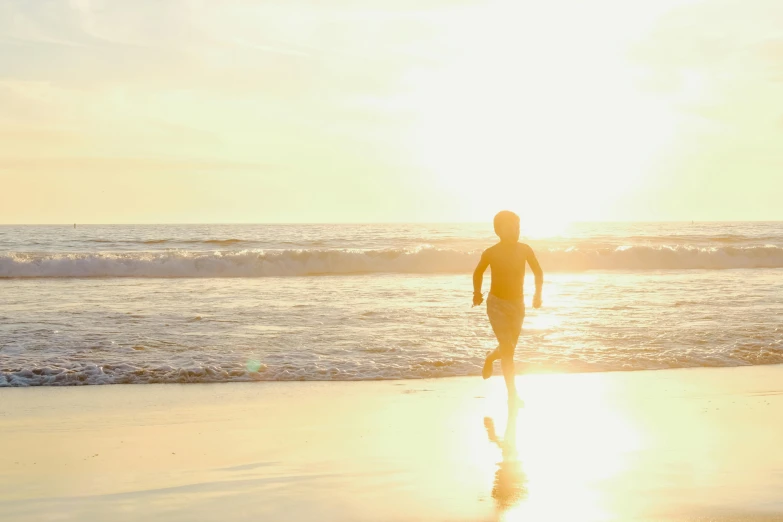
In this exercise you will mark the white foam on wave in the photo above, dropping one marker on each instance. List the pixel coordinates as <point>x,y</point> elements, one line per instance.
<point>664,258</point>
<point>234,264</point>
<point>251,263</point>
<point>94,373</point>
<point>82,374</point>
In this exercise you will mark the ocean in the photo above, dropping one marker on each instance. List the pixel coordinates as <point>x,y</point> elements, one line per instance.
<point>216,303</point>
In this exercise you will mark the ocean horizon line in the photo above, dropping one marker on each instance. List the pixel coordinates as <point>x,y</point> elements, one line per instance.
<point>378,223</point>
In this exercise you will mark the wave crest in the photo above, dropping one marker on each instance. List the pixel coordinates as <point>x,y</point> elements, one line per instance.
<point>250,263</point>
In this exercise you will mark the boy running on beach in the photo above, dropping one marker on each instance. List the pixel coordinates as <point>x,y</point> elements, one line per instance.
<point>505,304</point>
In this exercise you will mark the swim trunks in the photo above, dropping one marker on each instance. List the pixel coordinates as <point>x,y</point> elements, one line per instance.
<point>506,317</point>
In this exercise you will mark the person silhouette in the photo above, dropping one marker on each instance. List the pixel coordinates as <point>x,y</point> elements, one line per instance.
<point>505,303</point>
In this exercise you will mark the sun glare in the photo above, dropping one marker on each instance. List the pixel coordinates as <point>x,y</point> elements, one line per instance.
<point>541,465</point>
<point>523,121</point>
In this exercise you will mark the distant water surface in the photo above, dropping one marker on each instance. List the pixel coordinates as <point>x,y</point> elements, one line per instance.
<point>209,303</point>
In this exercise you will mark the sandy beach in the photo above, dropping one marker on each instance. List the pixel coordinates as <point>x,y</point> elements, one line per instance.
<point>700,444</point>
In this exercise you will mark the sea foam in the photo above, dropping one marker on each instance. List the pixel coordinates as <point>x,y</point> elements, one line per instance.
<point>259,263</point>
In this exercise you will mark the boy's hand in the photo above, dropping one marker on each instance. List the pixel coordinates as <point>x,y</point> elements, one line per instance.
<point>537,301</point>
<point>477,299</point>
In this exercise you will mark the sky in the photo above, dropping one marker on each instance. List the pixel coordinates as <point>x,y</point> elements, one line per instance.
<point>238,111</point>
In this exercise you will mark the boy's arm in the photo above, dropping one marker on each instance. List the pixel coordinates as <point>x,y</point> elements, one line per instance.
<point>536,268</point>
<point>478,278</point>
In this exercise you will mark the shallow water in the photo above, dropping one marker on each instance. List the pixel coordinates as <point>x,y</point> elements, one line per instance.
<point>376,325</point>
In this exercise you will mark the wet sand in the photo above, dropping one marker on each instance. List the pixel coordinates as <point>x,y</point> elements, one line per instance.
<point>675,445</point>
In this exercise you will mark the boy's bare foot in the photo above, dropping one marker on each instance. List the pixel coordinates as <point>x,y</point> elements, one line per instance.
<point>488,362</point>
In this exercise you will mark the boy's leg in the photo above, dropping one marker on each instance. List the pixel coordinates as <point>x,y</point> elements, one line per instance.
<point>492,356</point>
<point>506,319</point>
<point>509,371</point>
<point>509,368</point>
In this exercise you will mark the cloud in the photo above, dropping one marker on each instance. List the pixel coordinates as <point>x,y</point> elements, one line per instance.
<point>155,78</point>
<point>721,60</point>
<point>721,36</point>
<point>236,46</point>
<point>120,165</point>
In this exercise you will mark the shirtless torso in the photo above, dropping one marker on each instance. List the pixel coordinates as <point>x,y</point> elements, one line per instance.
<point>507,262</point>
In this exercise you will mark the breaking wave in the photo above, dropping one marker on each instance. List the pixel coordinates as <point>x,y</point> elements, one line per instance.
<point>225,242</point>
<point>77,373</point>
<point>253,263</point>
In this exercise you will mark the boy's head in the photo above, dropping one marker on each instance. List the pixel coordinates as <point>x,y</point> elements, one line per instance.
<point>507,226</point>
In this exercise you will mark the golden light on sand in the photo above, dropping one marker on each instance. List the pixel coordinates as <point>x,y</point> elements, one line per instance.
<point>541,473</point>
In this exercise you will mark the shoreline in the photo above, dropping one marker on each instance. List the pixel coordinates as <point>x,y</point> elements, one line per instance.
<point>496,373</point>
<point>629,445</point>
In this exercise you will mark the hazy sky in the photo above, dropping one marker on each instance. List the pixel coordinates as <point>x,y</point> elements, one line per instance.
<point>390,110</point>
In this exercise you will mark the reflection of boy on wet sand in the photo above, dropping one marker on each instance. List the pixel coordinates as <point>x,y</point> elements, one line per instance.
<point>505,304</point>
<point>509,487</point>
